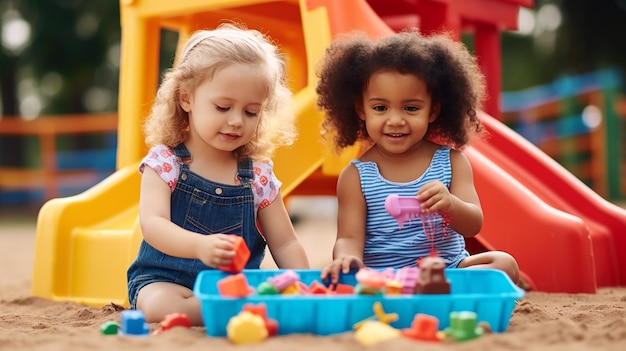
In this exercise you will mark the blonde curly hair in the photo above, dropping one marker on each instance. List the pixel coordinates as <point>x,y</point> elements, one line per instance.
<point>206,52</point>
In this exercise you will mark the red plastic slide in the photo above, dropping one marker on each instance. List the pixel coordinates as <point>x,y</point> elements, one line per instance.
<point>565,236</point>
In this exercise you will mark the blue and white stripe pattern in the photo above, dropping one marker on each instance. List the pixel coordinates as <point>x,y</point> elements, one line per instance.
<point>388,246</point>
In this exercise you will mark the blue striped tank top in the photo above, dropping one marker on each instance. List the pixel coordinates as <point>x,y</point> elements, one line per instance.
<point>388,246</point>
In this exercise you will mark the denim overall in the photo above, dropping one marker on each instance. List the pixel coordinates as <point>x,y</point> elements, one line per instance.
<point>204,207</point>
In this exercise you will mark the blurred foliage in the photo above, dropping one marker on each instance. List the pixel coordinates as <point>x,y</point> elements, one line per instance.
<point>589,38</point>
<point>70,43</point>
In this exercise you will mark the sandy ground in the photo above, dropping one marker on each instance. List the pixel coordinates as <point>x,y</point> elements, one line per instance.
<point>541,321</point>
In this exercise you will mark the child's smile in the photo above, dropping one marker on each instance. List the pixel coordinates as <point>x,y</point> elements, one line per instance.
<point>396,110</point>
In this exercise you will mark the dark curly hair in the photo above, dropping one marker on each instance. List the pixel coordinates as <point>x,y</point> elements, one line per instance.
<point>450,72</point>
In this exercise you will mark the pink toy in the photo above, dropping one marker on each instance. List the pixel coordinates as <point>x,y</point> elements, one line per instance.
<point>408,277</point>
<point>370,278</point>
<point>285,279</point>
<point>402,208</point>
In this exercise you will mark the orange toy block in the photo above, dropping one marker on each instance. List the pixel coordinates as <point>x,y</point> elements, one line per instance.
<point>424,328</point>
<point>234,286</point>
<point>343,289</point>
<point>242,254</point>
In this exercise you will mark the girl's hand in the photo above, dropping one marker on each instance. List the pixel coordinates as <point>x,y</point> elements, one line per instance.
<point>215,250</point>
<point>343,264</point>
<point>435,197</point>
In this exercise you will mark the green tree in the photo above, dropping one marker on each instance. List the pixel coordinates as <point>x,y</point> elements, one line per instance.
<point>588,38</point>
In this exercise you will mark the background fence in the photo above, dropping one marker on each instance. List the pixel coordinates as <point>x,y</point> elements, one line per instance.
<point>580,121</point>
<point>64,156</point>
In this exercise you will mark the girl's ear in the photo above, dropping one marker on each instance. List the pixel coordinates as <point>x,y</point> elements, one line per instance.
<point>434,112</point>
<point>183,100</point>
<point>358,107</point>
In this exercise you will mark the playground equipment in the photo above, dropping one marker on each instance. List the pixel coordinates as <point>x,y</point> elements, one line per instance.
<point>564,236</point>
<point>577,121</point>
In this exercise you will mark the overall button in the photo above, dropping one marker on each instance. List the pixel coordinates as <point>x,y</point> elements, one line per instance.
<point>184,176</point>
<point>218,191</point>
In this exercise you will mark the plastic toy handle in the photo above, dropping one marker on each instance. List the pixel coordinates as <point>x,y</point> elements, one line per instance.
<point>402,208</point>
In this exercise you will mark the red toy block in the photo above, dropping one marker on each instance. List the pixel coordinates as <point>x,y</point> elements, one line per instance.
<point>242,254</point>
<point>173,320</point>
<point>317,288</point>
<point>343,289</point>
<point>259,309</point>
<point>234,286</point>
<point>272,327</point>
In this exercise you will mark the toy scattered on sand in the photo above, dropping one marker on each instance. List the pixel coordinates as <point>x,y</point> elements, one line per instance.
<point>420,302</point>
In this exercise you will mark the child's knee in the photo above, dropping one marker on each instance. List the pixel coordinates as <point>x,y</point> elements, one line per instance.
<point>507,263</point>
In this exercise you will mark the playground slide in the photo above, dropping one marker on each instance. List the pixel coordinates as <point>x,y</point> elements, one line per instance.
<point>563,235</point>
<point>559,189</point>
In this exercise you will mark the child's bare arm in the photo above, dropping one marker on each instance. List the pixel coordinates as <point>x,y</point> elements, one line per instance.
<point>280,236</point>
<point>459,206</point>
<point>351,220</point>
<point>351,215</point>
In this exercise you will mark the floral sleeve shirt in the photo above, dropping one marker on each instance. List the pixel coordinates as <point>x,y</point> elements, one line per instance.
<point>163,161</point>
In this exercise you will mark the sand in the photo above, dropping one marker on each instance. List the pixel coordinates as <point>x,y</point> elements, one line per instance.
<point>541,321</point>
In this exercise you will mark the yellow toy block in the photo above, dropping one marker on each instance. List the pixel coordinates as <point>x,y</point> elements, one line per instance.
<point>246,328</point>
<point>373,332</point>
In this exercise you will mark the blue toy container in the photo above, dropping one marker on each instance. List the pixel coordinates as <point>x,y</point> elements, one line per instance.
<point>489,293</point>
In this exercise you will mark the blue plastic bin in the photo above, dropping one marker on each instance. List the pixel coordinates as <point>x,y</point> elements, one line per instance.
<point>489,293</point>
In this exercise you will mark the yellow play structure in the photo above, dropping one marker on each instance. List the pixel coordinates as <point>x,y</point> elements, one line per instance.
<point>86,242</point>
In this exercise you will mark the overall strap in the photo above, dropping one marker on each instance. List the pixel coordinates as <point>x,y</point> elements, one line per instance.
<point>182,154</point>
<point>245,171</point>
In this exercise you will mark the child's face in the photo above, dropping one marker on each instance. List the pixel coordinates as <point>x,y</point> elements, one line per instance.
<point>397,110</point>
<point>224,111</point>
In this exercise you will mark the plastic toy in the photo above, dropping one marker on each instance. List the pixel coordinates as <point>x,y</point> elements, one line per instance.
<point>292,289</point>
<point>234,286</point>
<point>266,288</point>
<point>407,277</point>
<point>109,328</point>
<point>490,293</point>
<point>380,315</point>
<point>402,208</point>
<point>371,278</point>
<point>370,282</point>
<point>242,254</point>
<point>432,279</point>
<point>283,280</point>
<point>393,287</point>
<point>317,288</point>
<point>463,326</point>
<point>133,324</point>
<point>246,328</point>
<point>373,332</point>
<point>343,289</point>
<point>261,310</point>
<point>173,320</point>
<point>423,328</point>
